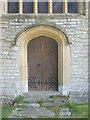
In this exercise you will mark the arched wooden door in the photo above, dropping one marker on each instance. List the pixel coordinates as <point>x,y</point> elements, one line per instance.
<point>42,64</point>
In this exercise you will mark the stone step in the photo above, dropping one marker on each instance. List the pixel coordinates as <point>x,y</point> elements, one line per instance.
<point>32,113</point>
<point>39,104</point>
<point>29,105</point>
<point>38,95</point>
<point>41,94</point>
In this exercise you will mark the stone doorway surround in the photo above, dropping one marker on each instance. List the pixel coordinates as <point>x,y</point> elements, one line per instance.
<point>63,54</point>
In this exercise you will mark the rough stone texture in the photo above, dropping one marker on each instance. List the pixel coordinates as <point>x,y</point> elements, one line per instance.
<point>32,113</point>
<point>39,95</point>
<point>54,108</point>
<point>0,64</point>
<point>89,51</point>
<point>65,112</point>
<point>41,108</point>
<point>78,99</point>
<point>0,56</point>
<point>30,105</point>
<point>74,26</point>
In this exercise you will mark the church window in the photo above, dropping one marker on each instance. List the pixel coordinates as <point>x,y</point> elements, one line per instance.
<point>13,6</point>
<point>45,6</point>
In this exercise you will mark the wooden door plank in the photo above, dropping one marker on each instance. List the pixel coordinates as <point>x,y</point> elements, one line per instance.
<point>34,65</point>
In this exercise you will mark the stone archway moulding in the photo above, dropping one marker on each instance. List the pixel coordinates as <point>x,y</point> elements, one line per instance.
<point>63,54</point>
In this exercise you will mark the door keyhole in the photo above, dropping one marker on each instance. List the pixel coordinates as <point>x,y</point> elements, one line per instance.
<point>38,65</point>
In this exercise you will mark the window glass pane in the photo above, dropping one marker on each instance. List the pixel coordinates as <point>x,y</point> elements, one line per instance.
<point>42,7</point>
<point>73,7</point>
<point>57,7</point>
<point>27,7</point>
<point>13,6</point>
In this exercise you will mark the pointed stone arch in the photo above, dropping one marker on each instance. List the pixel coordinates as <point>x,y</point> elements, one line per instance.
<point>63,54</point>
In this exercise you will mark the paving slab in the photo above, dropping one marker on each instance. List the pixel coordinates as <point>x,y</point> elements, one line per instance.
<point>40,104</point>
<point>33,99</point>
<point>48,104</point>
<point>65,112</point>
<point>29,105</point>
<point>60,101</point>
<point>33,113</point>
<point>41,94</point>
<point>78,99</point>
<point>53,102</point>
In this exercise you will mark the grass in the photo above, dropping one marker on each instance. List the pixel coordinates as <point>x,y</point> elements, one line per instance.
<point>7,110</point>
<point>40,102</point>
<point>55,96</point>
<point>26,102</point>
<point>79,110</point>
<point>44,117</point>
<point>0,112</point>
<point>58,96</point>
<point>55,109</point>
<point>19,99</point>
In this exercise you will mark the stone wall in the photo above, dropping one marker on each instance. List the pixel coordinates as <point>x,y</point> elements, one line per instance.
<point>74,26</point>
<point>0,51</point>
<point>89,51</point>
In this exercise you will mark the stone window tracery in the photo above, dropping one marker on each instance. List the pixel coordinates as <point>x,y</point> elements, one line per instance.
<point>48,6</point>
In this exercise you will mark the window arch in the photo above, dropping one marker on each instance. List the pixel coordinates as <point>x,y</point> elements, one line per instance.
<point>49,6</point>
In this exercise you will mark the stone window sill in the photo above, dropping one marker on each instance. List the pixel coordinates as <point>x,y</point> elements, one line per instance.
<point>42,14</point>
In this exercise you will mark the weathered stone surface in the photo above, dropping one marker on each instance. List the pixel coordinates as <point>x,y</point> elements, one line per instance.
<point>44,108</point>
<point>33,113</point>
<point>65,112</point>
<point>31,99</point>
<point>49,104</point>
<point>60,101</point>
<point>7,101</point>
<point>41,94</point>
<point>29,105</point>
<point>75,27</point>
<point>78,99</point>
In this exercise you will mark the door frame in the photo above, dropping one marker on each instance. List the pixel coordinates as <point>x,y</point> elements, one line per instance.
<point>63,54</point>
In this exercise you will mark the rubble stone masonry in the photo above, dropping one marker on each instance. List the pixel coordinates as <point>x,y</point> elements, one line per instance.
<point>76,29</point>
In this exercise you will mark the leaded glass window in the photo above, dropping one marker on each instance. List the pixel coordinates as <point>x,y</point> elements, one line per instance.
<point>27,7</point>
<point>42,7</point>
<point>72,7</point>
<point>13,7</point>
<point>57,7</point>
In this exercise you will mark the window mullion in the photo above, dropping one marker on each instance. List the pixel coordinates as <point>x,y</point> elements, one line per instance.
<point>35,4</point>
<point>50,6</point>
<point>20,6</point>
<point>81,9</point>
<point>6,6</point>
<point>65,6</point>
<point>86,8</point>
